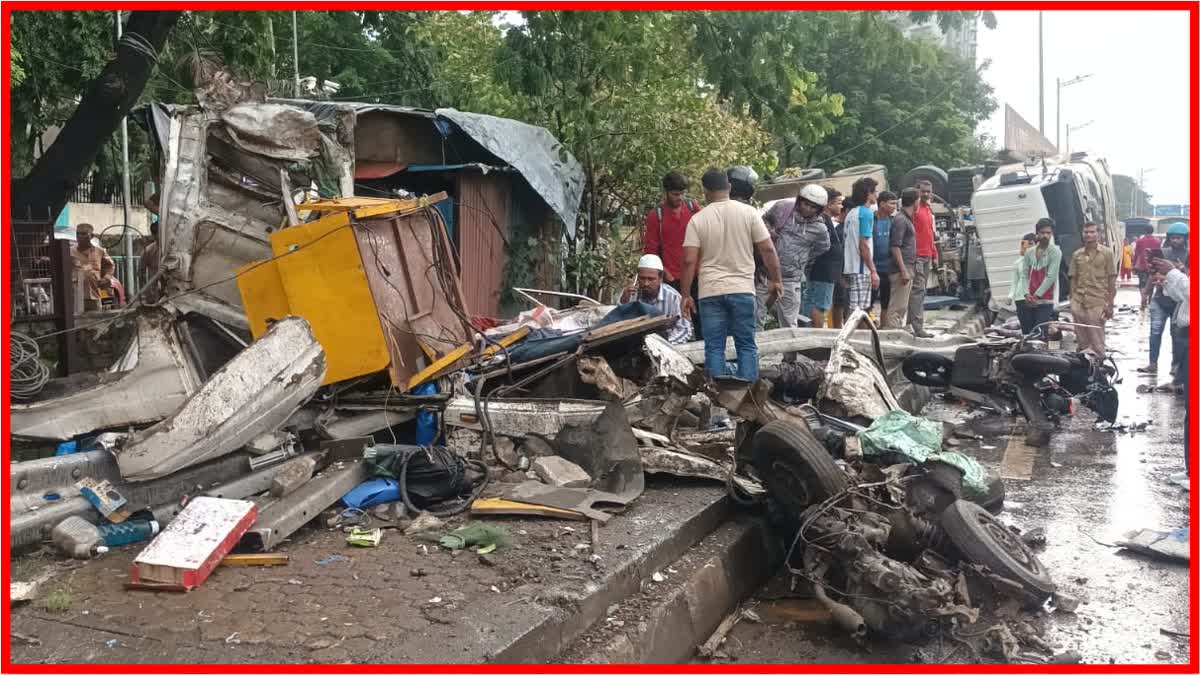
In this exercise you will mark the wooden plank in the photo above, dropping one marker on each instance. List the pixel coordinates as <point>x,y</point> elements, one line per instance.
<point>254,560</point>
<point>1018,458</point>
<point>496,506</point>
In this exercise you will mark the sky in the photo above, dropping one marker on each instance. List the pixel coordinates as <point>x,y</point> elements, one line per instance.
<point>1136,97</point>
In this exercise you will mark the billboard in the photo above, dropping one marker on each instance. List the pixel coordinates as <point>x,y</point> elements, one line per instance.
<point>1020,136</point>
<point>1171,210</point>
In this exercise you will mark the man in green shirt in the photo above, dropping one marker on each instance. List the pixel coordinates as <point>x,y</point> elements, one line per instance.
<point>1039,278</point>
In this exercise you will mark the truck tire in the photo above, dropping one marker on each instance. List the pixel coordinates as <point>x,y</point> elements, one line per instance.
<point>982,539</point>
<point>933,174</point>
<point>928,369</point>
<point>796,469</point>
<point>860,170</point>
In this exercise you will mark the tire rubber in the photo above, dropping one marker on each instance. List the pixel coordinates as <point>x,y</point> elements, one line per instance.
<point>971,528</point>
<point>789,444</point>
<point>918,367</point>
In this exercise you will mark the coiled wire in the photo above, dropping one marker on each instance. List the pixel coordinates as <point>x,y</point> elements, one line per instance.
<point>29,374</point>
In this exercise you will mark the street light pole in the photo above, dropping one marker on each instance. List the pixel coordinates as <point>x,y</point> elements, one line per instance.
<point>1058,103</point>
<point>1041,83</point>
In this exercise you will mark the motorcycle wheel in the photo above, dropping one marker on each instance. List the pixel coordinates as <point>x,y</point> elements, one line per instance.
<point>984,540</point>
<point>796,470</point>
<point>928,369</point>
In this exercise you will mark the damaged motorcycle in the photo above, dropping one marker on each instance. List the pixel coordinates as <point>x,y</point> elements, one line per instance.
<point>1011,375</point>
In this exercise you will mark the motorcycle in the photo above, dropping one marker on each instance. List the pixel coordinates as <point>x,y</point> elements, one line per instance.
<point>1011,375</point>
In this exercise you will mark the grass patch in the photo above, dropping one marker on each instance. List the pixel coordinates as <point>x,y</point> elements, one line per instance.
<point>59,601</point>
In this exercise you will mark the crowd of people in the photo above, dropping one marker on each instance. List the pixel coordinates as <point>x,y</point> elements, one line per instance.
<point>820,255</point>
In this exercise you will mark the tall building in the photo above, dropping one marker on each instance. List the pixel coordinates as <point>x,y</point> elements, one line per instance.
<point>960,41</point>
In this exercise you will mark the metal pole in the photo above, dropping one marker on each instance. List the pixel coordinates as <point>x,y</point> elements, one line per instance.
<point>1041,83</point>
<point>295,58</point>
<point>130,273</point>
<point>1057,111</point>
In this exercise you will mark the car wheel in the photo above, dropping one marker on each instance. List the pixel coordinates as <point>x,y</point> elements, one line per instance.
<point>928,369</point>
<point>982,539</point>
<point>796,470</point>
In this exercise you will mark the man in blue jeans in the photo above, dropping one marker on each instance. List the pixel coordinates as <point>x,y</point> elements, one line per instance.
<point>720,245</point>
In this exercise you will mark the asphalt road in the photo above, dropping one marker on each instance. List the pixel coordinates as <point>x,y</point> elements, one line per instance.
<point>1086,488</point>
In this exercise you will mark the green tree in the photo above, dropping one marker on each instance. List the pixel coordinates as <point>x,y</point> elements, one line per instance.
<point>1131,200</point>
<point>907,102</point>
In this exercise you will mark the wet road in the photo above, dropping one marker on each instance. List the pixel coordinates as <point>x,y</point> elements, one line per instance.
<point>1086,488</point>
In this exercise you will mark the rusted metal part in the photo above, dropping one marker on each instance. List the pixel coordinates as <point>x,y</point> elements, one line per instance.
<point>254,393</point>
<point>482,226</point>
<point>161,380</point>
<point>278,519</point>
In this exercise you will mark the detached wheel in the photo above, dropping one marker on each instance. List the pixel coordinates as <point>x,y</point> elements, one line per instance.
<point>983,540</point>
<point>928,369</point>
<point>796,469</point>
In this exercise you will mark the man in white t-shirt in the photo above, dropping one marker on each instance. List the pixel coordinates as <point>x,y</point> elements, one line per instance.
<point>720,243</point>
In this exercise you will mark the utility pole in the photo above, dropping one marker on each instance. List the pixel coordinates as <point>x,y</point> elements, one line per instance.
<point>1041,83</point>
<point>1058,104</point>
<point>130,271</point>
<point>1141,192</point>
<point>295,58</point>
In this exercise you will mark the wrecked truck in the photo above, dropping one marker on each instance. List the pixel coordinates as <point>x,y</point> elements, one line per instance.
<point>218,386</point>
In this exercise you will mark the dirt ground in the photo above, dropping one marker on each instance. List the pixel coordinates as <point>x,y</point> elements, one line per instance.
<point>406,601</point>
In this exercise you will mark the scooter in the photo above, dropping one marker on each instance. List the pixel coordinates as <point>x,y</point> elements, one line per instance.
<point>1022,375</point>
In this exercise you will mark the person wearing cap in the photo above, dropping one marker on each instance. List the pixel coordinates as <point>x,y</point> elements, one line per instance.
<point>799,234</point>
<point>720,245</point>
<point>826,269</point>
<point>92,266</point>
<point>651,290</point>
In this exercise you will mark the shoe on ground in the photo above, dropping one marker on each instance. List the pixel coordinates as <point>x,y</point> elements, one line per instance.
<point>1185,483</point>
<point>1150,370</point>
<point>1177,476</point>
<point>922,334</point>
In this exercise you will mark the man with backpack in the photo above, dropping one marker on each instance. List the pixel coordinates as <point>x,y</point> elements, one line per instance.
<point>666,226</point>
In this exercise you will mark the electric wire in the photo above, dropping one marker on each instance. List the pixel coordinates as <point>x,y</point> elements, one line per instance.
<point>29,374</point>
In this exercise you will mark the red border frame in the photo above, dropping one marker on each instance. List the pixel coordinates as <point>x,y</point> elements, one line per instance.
<point>1193,10</point>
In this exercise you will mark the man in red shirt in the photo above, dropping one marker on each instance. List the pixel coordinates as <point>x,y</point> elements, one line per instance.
<point>927,258</point>
<point>1141,262</point>
<point>666,225</point>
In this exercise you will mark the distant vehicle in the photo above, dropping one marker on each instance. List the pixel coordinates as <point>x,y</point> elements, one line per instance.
<point>1158,225</point>
<point>1071,190</point>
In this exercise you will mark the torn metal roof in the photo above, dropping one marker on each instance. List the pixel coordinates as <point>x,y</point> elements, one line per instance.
<point>549,167</point>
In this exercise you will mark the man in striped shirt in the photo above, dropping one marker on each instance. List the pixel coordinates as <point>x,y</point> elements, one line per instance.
<point>651,290</point>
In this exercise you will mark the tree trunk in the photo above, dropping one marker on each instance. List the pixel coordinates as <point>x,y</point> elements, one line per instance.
<point>107,98</point>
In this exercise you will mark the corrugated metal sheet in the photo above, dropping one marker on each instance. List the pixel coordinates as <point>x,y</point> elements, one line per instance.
<point>482,216</point>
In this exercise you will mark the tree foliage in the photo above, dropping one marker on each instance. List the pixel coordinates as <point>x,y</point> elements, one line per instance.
<point>1131,201</point>
<point>632,94</point>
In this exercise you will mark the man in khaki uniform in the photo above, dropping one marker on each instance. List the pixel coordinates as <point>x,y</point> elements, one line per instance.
<point>92,266</point>
<point>1093,274</point>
